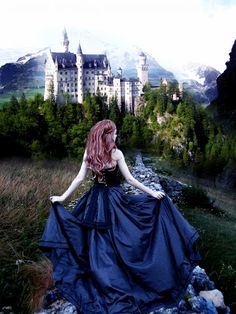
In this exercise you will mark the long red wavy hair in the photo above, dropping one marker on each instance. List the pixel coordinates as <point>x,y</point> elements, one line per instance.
<point>100,145</point>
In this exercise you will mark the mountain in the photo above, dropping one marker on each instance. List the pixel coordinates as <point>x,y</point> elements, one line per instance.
<point>128,61</point>
<point>26,74</point>
<point>200,81</point>
<point>223,108</point>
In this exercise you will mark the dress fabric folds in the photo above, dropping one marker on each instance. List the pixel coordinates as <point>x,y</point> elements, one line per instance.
<point>119,253</point>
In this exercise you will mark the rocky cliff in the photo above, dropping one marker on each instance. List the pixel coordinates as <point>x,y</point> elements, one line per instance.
<point>223,108</point>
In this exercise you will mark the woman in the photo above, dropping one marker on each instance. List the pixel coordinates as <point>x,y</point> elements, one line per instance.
<point>118,253</point>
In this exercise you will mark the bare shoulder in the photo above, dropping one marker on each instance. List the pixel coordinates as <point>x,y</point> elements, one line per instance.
<point>117,154</point>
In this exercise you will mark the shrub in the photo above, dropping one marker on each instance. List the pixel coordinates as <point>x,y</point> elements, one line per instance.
<point>195,196</point>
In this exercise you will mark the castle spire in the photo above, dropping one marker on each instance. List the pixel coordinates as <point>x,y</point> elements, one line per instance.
<point>65,41</point>
<point>79,50</point>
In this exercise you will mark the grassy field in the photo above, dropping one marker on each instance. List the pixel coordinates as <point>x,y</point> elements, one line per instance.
<point>4,98</point>
<point>25,187</point>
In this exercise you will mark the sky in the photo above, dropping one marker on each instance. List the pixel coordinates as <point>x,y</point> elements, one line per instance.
<point>174,32</point>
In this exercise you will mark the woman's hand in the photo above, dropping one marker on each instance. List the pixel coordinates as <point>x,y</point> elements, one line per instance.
<point>158,194</point>
<point>54,199</point>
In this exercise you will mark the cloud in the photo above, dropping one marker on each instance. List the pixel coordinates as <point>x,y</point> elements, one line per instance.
<point>173,31</point>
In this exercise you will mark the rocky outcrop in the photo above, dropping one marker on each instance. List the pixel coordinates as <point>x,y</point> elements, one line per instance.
<point>223,108</point>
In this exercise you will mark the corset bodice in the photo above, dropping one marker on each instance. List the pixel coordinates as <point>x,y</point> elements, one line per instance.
<point>111,176</point>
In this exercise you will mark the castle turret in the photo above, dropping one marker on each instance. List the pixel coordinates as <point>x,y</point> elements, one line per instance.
<point>65,42</point>
<point>142,68</point>
<point>119,72</point>
<point>79,64</point>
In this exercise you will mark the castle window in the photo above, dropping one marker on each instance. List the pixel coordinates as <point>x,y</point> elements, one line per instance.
<point>61,73</point>
<point>68,90</point>
<point>75,72</point>
<point>65,73</point>
<point>71,84</point>
<point>72,90</point>
<point>68,84</point>
<point>76,89</point>
<point>87,72</point>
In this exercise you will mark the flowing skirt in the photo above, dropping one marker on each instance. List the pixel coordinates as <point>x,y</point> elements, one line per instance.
<point>118,253</point>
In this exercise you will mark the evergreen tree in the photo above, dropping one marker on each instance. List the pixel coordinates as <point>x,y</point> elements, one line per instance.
<point>114,112</point>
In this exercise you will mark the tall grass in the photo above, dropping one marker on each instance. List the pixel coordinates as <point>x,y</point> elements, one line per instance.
<point>25,187</point>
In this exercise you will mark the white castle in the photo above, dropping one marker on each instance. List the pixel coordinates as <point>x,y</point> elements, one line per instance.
<point>73,75</point>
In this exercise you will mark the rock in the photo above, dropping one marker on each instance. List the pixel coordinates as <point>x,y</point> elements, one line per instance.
<point>200,280</point>
<point>60,307</point>
<point>215,296</point>
<point>201,305</point>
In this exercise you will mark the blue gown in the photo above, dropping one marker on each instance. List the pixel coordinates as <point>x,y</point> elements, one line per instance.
<point>119,253</point>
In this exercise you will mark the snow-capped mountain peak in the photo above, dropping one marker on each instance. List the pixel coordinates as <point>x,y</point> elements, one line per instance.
<point>29,56</point>
<point>201,73</point>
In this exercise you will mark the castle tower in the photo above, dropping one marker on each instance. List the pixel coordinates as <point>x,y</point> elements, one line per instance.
<point>55,82</point>
<point>119,72</point>
<point>65,42</point>
<point>79,64</point>
<point>142,68</point>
